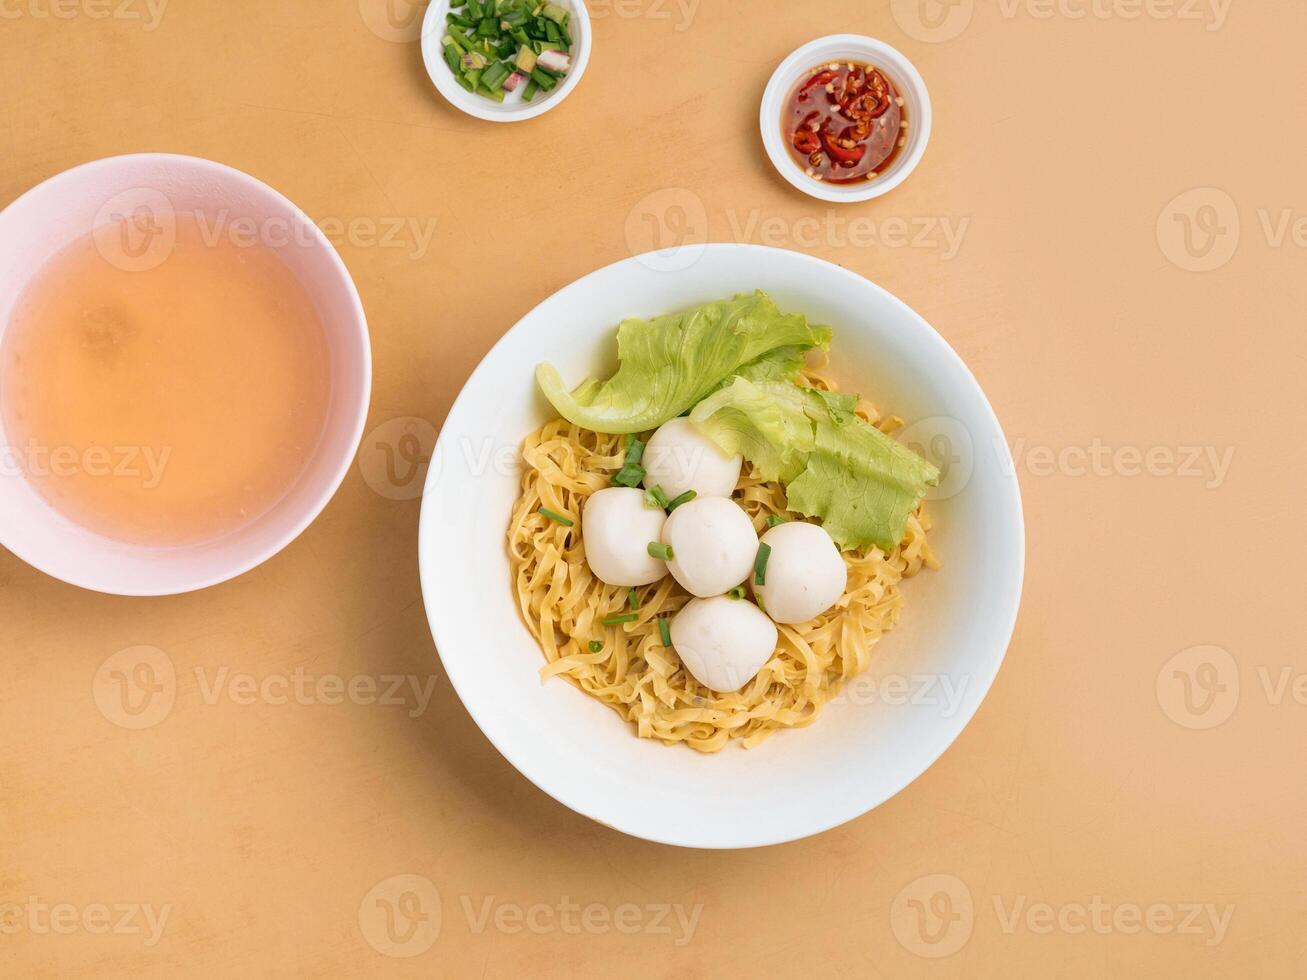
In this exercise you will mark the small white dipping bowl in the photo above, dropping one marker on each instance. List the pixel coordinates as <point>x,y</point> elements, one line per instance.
<point>75,203</point>
<point>927,676</point>
<point>860,50</point>
<point>433,56</point>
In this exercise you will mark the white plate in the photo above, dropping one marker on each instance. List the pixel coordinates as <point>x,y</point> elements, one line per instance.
<point>433,57</point>
<point>953,633</point>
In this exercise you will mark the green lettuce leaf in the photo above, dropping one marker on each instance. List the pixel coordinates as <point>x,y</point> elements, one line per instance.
<point>781,364</point>
<point>768,423</point>
<point>861,483</point>
<point>669,363</point>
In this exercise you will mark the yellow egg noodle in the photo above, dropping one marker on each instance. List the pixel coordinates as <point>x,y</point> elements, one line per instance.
<point>563,605</point>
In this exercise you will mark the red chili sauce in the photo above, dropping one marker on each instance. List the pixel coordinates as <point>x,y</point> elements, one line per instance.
<point>845,123</point>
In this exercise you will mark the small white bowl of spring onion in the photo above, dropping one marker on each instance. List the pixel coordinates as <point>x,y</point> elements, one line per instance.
<point>506,60</point>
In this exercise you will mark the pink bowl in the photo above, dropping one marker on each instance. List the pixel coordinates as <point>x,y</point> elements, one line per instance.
<point>75,202</point>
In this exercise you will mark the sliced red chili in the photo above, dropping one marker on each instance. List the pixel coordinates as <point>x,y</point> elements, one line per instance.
<point>868,106</point>
<point>821,78</point>
<point>806,141</point>
<point>845,155</point>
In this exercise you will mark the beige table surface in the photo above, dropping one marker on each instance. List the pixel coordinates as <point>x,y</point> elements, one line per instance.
<point>1098,818</point>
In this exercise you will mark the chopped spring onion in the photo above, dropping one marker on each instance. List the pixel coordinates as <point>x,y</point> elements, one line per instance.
<point>684,498</point>
<point>664,632</point>
<point>661,551</point>
<point>495,75</point>
<point>619,620</point>
<point>508,37</point>
<point>737,592</point>
<point>775,519</point>
<point>556,518</point>
<point>634,451</point>
<point>655,497</point>
<point>628,476</point>
<point>633,599</point>
<point>760,564</point>
<point>631,473</point>
<point>596,646</point>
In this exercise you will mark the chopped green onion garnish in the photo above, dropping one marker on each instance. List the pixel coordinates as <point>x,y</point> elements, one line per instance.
<point>760,564</point>
<point>507,35</point>
<point>664,632</point>
<point>774,519</point>
<point>634,451</point>
<point>596,646</point>
<point>629,476</point>
<point>660,551</point>
<point>557,518</point>
<point>619,620</point>
<point>655,497</point>
<point>737,592</point>
<point>684,498</point>
<point>632,598</point>
<point>494,75</point>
